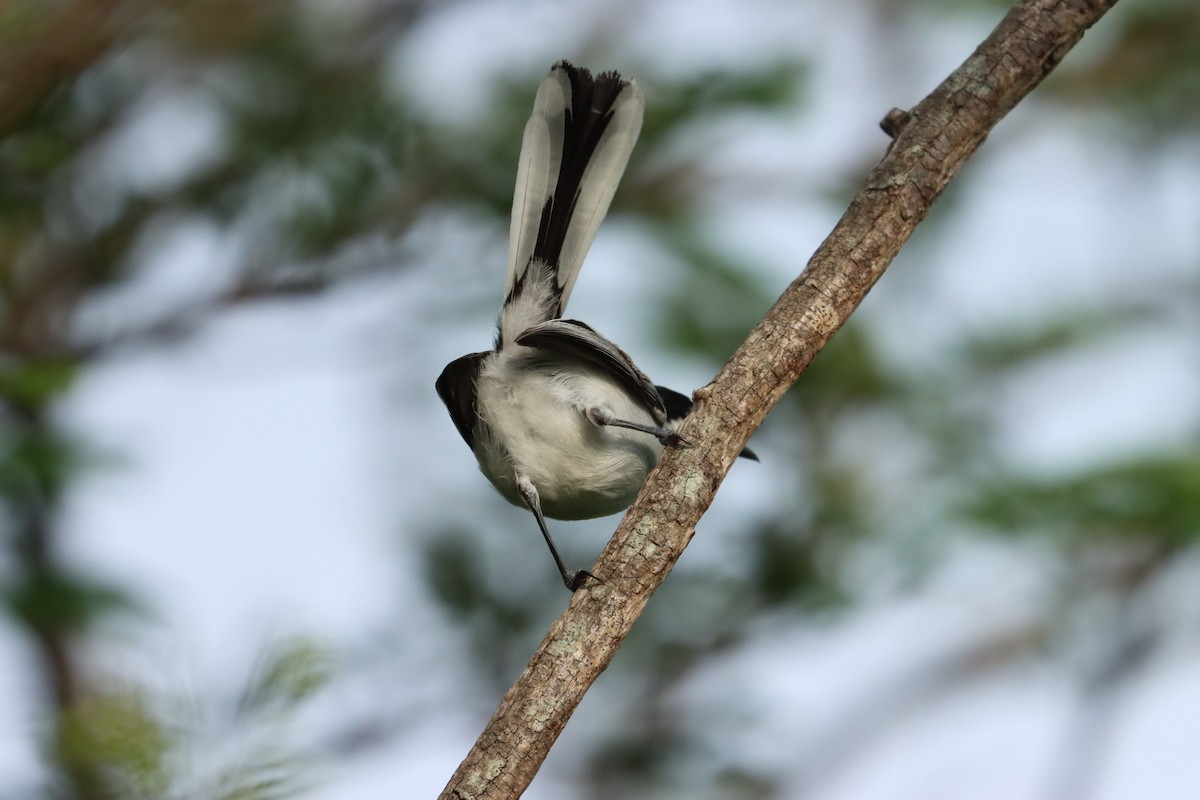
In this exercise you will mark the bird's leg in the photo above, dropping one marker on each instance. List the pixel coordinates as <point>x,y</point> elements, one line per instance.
<point>668,437</point>
<point>572,580</point>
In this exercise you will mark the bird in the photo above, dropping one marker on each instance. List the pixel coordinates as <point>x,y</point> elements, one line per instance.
<point>560,419</point>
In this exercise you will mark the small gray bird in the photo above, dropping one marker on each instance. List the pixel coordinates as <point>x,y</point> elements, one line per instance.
<point>561,420</point>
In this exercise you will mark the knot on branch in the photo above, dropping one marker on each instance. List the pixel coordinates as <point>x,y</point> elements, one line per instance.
<point>894,121</point>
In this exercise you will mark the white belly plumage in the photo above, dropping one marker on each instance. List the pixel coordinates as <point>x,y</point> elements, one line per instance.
<point>581,470</point>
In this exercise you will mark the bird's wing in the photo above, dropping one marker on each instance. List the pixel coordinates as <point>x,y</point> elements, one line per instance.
<point>572,338</point>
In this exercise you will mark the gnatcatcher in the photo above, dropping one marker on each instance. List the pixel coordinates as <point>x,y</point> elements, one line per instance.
<point>561,420</point>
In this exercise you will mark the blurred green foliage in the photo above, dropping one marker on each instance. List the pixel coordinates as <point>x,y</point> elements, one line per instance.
<point>1145,68</point>
<point>1155,500</point>
<point>118,736</point>
<point>56,601</point>
<point>135,743</point>
<point>1149,72</point>
<point>293,671</point>
<point>317,153</point>
<point>33,384</point>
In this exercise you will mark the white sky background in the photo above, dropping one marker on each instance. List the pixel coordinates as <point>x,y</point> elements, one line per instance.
<point>276,467</point>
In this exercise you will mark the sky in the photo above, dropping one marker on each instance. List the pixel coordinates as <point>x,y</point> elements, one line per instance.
<point>272,472</point>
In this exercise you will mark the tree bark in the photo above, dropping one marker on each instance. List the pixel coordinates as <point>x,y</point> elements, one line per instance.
<point>930,143</point>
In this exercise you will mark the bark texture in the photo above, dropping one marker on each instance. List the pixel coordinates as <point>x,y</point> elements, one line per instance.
<point>930,143</point>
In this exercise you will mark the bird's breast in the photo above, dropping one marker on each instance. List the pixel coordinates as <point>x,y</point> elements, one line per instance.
<point>534,426</point>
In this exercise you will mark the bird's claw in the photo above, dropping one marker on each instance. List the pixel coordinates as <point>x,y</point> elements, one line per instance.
<point>673,439</point>
<point>576,581</point>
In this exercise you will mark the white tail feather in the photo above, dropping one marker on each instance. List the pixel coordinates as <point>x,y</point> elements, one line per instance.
<point>538,174</point>
<point>537,171</point>
<point>600,184</point>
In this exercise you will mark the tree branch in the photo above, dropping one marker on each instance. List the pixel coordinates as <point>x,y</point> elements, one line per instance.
<point>931,142</point>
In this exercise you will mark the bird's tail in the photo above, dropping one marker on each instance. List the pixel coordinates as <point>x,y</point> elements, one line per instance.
<point>575,148</point>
